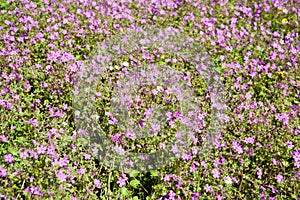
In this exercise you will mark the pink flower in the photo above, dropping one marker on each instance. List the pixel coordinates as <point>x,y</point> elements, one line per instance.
<point>3,138</point>
<point>193,168</point>
<point>194,150</point>
<point>208,188</point>
<point>249,140</point>
<point>61,176</point>
<point>216,173</point>
<point>34,122</point>
<point>172,195</point>
<point>259,172</point>
<point>122,180</point>
<point>248,95</point>
<point>64,106</point>
<point>41,150</point>
<point>3,172</point>
<point>279,178</point>
<point>87,156</point>
<point>9,158</point>
<point>236,146</point>
<point>81,171</point>
<point>97,183</point>
<point>290,145</point>
<point>24,155</point>
<point>167,177</point>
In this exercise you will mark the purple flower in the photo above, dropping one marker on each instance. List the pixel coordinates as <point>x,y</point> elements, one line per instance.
<point>193,168</point>
<point>33,154</point>
<point>236,146</point>
<point>81,171</point>
<point>116,137</point>
<point>97,183</point>
<point>87,156</point>
<point>208,188</point>
<point>249,140</point>
<point>203,164</point>
<point>8,158</point>
<point>155,126</point>
<point>261,196</point>
<point>3,138</point>
<point>175,149</point>
<point>61,176</point>
<point>216,173</point>
<point>259,172</point>
<point>34,122</point>
<point>186,156</point>
<point>179,185</point>
<point>272,198</point>
<point>147,113</point>
<point>3,172</point>
<point>279,178</point>
<point>274,190</point>
<point>217,162</point>
<point>24,155</point>
<point>34,190</point>
<point>172,195</point>
<point>290,145</point>
<point>296,156</point>
<point>194,150</point>
<point>195,195</point>
<point>130,134</point>
<point>3,196</point>
<point>177,114</point>
<point>234,180</point>
<point>169,115</point>
<point>122,180</point>
<point>120,150</point>
<point>41,150</point>
<point>64,106</point>
<point>274,161</point>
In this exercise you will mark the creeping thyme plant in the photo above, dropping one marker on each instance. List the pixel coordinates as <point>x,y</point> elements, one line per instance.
<point>254,46</point>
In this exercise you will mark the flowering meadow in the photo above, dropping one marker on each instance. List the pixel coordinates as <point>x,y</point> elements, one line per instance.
<point>253,46</point>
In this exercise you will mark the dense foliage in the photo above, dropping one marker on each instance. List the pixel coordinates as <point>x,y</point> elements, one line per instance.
<point>254,45</point>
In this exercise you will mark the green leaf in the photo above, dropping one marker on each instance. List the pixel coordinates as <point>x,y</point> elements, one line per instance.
<point>287,103</point>
<point>133,173</point>
<point>125,192</point>
<point>285,163</point>
<point>135,198</point>
<point>134,183</point>
<point>154,173</point>
<point>293,196</point>
<point>13,151</point>
<point>21,139</point>
<point>247,163</point>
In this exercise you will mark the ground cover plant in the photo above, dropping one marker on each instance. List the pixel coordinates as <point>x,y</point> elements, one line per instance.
<point>253,45</point>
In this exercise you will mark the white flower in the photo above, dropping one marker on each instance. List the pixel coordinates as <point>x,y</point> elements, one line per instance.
<point>77,112</point>
<point>228,180</point>
<point>159,88</point>
<point>95,116</point>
